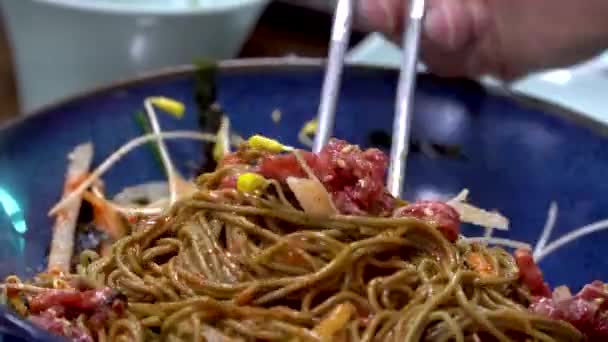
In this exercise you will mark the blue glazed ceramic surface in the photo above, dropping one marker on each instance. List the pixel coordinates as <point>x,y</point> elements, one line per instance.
<point>514,157</point>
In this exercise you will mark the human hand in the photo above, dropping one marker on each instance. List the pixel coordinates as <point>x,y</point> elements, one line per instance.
<point>503,38</point>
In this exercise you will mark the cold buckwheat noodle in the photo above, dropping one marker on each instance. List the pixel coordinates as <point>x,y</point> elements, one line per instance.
<point>225,265</point>
<point>252,267</point>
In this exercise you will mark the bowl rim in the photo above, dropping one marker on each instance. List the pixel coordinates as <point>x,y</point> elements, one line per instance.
<point>303,63</point>
<point>133,9</point>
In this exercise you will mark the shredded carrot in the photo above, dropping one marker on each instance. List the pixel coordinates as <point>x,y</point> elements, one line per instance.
<point>105,217</point>
<point>335,322</point>
<point>480,264</point>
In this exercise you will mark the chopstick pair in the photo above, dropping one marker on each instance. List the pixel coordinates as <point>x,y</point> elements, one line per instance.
<point>341,30</point>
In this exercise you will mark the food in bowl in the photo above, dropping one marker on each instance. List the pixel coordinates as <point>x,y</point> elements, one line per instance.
<point>277,243</point>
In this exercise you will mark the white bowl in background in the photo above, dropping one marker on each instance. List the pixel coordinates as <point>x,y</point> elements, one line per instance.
<point>61,47</point>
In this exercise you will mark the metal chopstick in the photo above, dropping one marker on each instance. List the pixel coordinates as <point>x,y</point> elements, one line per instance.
<point>405,95</point>
<point>340,36</point>
<point>405,91</point>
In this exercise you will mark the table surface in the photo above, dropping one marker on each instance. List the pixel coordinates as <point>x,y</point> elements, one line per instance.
<point>279,32</point>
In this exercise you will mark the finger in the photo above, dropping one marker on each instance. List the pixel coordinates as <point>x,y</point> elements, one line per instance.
<point>384,16</point>
<point>459,39</point>
<point>452,32</point>
<point>448,23</point>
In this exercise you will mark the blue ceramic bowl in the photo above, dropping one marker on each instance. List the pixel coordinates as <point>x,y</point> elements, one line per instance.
<point>516,155</point>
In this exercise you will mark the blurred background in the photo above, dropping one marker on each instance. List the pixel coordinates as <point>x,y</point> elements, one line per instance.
<point>51,49</point>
